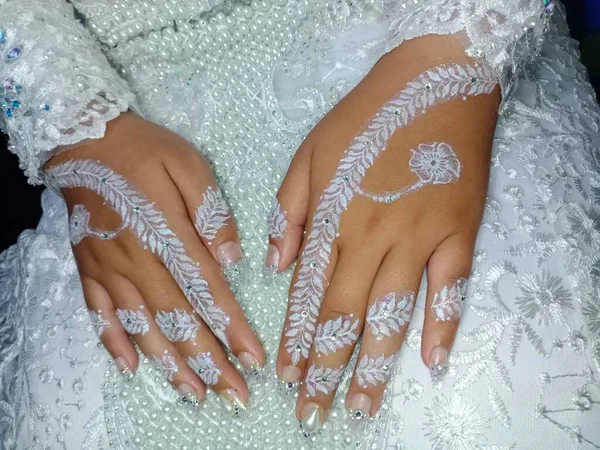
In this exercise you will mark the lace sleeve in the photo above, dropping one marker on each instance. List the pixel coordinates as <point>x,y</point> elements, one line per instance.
<point>57,86</point>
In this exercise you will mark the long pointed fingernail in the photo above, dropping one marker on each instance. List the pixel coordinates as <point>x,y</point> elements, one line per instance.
<point>312,415</point>
<point>229,253</point>
<point>271,261</point>
<point>290,374</point>
<point>359,406</point>
<point>249,362</point>
<point>188,396</point>
<point>231,402</point>
<point>438,364</point>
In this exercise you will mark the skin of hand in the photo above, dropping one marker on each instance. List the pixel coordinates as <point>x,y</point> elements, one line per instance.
<point>383,248</point>
<point>120,274</point>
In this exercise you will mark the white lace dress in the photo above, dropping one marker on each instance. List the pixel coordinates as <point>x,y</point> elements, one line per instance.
<point>244,82</point>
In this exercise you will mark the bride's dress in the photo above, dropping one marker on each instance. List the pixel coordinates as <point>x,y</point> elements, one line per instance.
<point>245,83</point>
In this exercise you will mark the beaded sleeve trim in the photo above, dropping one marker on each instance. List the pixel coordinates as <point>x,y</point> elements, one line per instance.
<point>433,87</point>
<point>212,214</point>
<point>149,225</point>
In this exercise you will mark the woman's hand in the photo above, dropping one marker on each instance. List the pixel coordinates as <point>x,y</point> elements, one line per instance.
<point>392,181</point>
<point>151,234</point>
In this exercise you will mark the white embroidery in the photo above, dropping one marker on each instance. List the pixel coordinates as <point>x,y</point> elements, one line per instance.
<point>373,371</point>
<point>277,221</point>
<point>212,214</point>
<point>388,314</point>
<point>134,322</point>
<point>79,226</point>
<point>448,303</point>
<point>429,89</point>
<point>335,334</point>
<point>150,226</point>
<point>205,367</point>
<point>166,365</point>
<point>177,325</point>
<point>98,322</point>
<point>323,379</point>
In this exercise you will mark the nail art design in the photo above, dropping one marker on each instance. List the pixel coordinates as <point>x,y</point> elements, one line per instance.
<point>388,314</point>
<point>431,88</point>
<point>166,364</point>
<point>177,325</point>
<point>277,221</point>
<point>205,367</point>
<point>98,322</point>
<point>79,226</point>
<point>448,303</point>
<point>373,371</point>
<point>134,322</point>
<point>231,403</point>
<point>335,334</point>
<point>212,214</point>
<point>323,379</point>
<point>438,367</point>
<point>151,228</point>
<point>312,415</point>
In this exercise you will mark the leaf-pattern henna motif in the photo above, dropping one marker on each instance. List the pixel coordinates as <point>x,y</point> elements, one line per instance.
<point>78,224</point>
<point>149,225</point>
<point>448,303</point>
<point>389,313</point>
<point>323,379</point>
<point>205,367</point>
<point>134,322</point>
<point>166,364</point>
<point>432,87</point>
<point>335,334</point>
<point>177,325</point>
<point>277,221</point>
<point>373,371</point>
<point>212,214</point>
<point>98,322</point>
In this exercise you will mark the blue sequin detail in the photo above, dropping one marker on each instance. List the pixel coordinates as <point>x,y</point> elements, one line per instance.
<point>2,37</point>
<point>13,54</point>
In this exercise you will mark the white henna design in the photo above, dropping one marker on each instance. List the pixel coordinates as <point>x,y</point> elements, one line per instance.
<point>134,322</point>
<point>335,334</point>
<point>149,225</point>
<point>373,371</point>
<point>79,226</point>
<point>177,325</point>
<point>277,221</point>
<point>98,322</point>
<point>431,88</point>
<point>212,214</point>
<point>323,379</point>
<point>205,367</point>
<point>166,364</point>
<point>448,303</point>
<point>389,313</point>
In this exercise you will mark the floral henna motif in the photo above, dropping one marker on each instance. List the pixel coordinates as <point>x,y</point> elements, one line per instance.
<point>212,214</point>
<point>448,303</point>
<point>323,379</point>
<point>79,226</point>
<point>98,322</point>
<point>177,325</point>
<point>373,371</point>
<point>149,225</point>
<point>166,364</point>
<point>335,334</point>
<point>134,322</point>
<point>388,314</point>
<point>277,222</point>
<point>205,367</point>
<point>431,88</point>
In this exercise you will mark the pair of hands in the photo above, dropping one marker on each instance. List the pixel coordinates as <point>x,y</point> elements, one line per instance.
<point>371,266</point>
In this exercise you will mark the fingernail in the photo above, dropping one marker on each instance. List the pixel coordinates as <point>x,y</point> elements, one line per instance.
<point>188,396</point>
<point>231,402</point>
<point>249,362</point>
<point>271,261</point>
<point>229,253</point>
<point>438,364</point>
<point>359,406</point>
<point>290,374</point>
<point>123,367</point>
<point>312,415</point>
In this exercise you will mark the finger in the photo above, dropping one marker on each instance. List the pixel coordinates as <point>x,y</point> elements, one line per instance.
<point>390,307</point>
<point>206,206</point>
<point>107,326</point>
<point>288,214</point>
<point>137,320</point>
<point>447,273</point>
<point>340,323</point>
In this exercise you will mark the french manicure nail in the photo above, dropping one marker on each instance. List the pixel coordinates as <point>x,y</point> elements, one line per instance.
<point>312,415</point>
<point>271,261</point>
<point>438,364</point>
<point>231,402</point>
<point>249,362</point>
<point>229,253</point>
<point>290,374</point>
<point>359,406</point>
<point>188,396</point>
<point>123,367</point>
